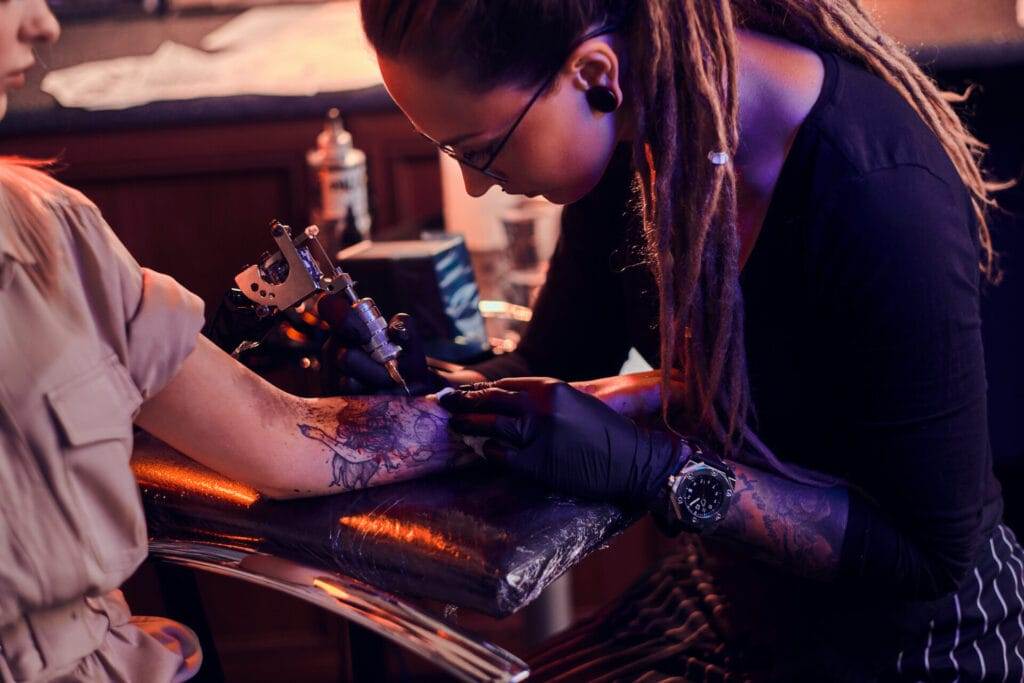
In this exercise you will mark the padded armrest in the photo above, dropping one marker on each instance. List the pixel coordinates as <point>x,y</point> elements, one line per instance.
<point>476,537</point>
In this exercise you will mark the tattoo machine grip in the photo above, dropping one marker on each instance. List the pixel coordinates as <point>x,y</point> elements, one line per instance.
<point>379,346</point>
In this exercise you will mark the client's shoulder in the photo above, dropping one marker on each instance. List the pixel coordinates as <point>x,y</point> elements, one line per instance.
<point>28,179</point>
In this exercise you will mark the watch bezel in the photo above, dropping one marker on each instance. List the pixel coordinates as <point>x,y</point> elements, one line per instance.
<point>691,470</point>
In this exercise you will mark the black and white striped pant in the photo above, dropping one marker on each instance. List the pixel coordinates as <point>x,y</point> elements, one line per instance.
<point>978,635</point>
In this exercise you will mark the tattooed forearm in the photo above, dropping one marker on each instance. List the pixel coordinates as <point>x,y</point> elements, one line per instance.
<point>797,527</point>
<point>374,440</point>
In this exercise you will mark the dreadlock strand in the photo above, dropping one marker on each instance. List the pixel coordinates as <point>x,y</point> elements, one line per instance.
<point>707,346</point>
<point>649,154</point>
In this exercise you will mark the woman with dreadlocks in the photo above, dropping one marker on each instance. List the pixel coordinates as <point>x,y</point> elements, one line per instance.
<point>813,216</point>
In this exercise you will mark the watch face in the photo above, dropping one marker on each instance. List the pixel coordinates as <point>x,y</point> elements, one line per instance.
<point>703,494</point>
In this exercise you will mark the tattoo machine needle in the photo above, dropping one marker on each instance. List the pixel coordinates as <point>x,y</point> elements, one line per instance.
<point>302,269</point>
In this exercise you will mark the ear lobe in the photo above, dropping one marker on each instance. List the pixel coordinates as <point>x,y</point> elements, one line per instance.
<point>596,74</point>
<point>602,99</point>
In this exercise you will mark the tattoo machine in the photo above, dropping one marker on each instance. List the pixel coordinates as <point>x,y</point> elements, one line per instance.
<point>302,269</point>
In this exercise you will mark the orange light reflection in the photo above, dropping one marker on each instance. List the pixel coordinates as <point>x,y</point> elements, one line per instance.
<point>331,589</point>
<point>171,476</point>
<point>405,532</point>
<point>246,540</point>
<point>294,334</point>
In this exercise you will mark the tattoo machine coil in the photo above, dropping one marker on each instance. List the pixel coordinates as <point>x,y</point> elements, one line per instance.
<point>302,269</point>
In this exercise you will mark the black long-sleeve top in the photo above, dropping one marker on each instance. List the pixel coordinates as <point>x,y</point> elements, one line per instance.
<point>862,328</point>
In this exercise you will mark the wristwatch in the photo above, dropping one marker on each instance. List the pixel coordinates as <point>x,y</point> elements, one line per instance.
<point>696,497</point>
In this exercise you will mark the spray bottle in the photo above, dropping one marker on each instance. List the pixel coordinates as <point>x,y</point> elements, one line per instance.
<point>341,171</point>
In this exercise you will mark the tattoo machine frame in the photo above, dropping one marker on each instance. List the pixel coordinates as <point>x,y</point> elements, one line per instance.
<point>301,269</point>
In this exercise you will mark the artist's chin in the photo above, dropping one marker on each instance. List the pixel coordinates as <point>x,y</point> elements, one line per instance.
<point>580,185</point>
<point>567,195</point>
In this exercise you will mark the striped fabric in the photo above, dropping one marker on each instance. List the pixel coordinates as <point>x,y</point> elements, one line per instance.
<point>977,635</point>
<point>673,625</point>
<point>668,626</point>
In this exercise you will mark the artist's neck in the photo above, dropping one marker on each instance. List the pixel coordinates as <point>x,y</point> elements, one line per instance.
<point>778,82</point>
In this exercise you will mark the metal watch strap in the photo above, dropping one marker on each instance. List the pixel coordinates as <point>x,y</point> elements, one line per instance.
<point>664,512</point>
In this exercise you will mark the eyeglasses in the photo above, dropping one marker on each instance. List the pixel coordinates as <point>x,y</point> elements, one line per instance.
<point>481,161</point>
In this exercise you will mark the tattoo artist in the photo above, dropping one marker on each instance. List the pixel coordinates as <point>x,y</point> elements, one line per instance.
<point>796,205</point>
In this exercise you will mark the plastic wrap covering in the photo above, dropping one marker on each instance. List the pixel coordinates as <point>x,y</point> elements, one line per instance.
<point>473,538</point>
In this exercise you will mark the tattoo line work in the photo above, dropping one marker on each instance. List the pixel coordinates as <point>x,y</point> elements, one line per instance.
<point>788,524</point>
<point>375,434</point>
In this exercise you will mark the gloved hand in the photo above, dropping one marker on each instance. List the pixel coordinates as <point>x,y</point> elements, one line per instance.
<point>349,370</point>
<point>573,442</point>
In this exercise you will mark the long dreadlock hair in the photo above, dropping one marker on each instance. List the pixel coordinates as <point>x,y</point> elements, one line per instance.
<point>682,78</point>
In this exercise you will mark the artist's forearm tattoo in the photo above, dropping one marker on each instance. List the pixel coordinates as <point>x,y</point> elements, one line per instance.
<point>376,439</point>
<point>788,524</point>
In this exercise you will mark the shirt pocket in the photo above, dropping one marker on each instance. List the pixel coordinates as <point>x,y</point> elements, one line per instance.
<point>94,411</point>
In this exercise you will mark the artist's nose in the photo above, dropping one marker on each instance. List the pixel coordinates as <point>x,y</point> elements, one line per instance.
<point>476,182</point>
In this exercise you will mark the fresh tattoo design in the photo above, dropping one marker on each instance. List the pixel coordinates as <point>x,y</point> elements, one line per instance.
<point>788,524</point>
<point>383,435</point>
<point>349,469</point>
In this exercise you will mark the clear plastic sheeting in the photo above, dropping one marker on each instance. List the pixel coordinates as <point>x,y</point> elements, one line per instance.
<point>471,537</point>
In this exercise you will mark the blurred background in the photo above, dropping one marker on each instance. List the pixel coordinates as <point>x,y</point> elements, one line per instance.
<point>193,123</point>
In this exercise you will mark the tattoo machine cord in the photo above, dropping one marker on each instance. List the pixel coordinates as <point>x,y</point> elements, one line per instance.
<point>302,269</point>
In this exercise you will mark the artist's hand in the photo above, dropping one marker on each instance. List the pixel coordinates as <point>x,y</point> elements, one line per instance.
<point>569,440</point>
<point>349,370</point>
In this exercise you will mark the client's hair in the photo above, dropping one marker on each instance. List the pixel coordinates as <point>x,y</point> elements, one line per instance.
<point>24,183</point>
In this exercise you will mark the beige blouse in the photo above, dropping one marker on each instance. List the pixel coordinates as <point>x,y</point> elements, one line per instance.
<point>75,369</point>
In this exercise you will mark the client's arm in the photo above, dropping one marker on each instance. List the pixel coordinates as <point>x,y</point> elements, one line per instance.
<point>636,395</point>
<point>223,415</point>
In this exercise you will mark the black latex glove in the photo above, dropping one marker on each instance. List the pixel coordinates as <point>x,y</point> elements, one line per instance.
<point>569,440</point>
<point>348,369</point>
